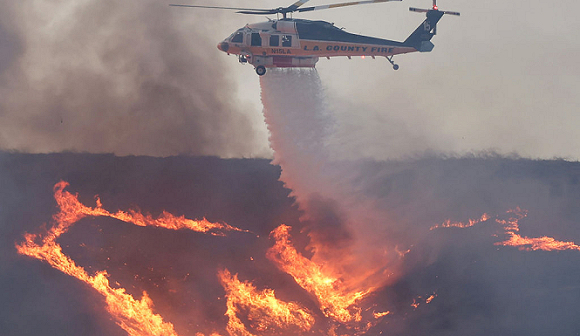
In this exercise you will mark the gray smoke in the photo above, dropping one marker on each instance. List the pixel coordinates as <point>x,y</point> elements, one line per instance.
<point>130,77</point>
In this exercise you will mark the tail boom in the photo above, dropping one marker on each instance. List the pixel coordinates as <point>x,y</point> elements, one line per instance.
<point>420,39</point>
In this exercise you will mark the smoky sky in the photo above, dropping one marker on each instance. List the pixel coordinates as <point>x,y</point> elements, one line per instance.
<point>480,288</point>
<point>130,77</point>
<point>502,77</point>
<point>141,78</point>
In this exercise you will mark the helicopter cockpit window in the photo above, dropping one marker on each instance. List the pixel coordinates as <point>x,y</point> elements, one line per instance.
<point>238,38</point>
<point>274,40</point>
<point>286,40</point>
<point>256,40</point>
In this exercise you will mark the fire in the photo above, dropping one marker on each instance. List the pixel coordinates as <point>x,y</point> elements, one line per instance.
<point>136,317</point>
<point>541,243</point>
<point>264,311</point>
<point>514,217</point>
<point>530,244</point>
<point>380,314</point>
<point>470,223</point>
<point>71,211</point>
<point>430,298</point>
<point>510,226</point>
<point>250,311</point>
<point>336,300</point>
<point>417,302</point>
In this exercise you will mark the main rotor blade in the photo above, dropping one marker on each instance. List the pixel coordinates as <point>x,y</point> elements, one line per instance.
<point>344,4</point>
<point>420,10</point>
<point>451,13</point>
<point>295,7</point>
<point>216,7</point>
<point>260,11</point>
<point>297,4</point>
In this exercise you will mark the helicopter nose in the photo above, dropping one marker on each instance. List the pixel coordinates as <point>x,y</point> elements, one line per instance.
<point>223,46</point>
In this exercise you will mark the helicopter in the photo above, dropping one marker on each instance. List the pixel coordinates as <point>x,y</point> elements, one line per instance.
<point>288,42</point>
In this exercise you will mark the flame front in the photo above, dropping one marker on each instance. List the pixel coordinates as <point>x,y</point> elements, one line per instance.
<point>541,243</point>
<point>510,226</point>
<point>448,223</point>
<point>336,301</point>
<point>71,211</point>
<point>134,316</point>
<point>265,313</point>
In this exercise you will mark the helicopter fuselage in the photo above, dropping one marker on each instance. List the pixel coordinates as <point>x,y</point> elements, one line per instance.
<point>300,43</point>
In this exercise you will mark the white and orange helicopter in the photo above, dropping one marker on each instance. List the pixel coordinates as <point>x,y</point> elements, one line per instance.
<point>288,42</point>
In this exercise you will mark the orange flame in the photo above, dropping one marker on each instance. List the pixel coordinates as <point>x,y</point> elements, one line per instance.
<point>336,301</point>
<point>417,302</point>
<point>134,316</point>
<point>470,223</point>
<point>71,211</point>
<point>511,226</point>
<point>541,243</point>
<point>530,244</point>
<point>430,298</point>
<point>265,311</point>
<point>380,314</point>
<point>512,222</point>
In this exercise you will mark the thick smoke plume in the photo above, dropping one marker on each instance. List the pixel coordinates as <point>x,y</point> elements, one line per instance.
<point>117,77</point>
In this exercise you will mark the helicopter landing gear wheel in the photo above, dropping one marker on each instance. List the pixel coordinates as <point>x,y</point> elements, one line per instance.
<point>261,70</point>
<point>390,59</point>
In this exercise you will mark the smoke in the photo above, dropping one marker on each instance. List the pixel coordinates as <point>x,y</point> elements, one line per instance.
<point>118,77</point>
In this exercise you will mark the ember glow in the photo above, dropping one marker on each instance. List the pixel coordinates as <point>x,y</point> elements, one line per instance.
<point>510,223</point>
<point>136,317</point>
